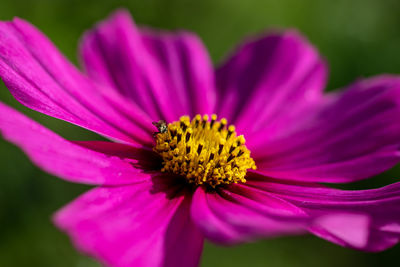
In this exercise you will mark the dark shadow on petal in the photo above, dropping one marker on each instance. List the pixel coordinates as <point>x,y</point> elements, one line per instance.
<point>142,158</point>
<point>171,184</point>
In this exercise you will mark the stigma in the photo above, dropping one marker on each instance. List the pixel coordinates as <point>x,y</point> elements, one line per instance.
<point>203,150</point>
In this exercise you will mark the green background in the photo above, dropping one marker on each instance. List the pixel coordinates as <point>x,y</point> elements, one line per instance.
<point>358,38</point>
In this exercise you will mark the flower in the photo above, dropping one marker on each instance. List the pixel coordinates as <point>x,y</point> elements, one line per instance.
<point>160,193</point>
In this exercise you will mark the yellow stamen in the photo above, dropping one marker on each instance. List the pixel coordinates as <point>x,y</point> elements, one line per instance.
<point>203,151</point>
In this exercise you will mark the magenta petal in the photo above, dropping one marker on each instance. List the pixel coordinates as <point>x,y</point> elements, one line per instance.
<point>42,79</point>
<point>344,229</point>
<point>167,75</point>
<point>146,224</point>
<point>353,136</point>
<point>364,219</point>
<point>268,80</point>
<point>239,214</point>
<point>88,162</point>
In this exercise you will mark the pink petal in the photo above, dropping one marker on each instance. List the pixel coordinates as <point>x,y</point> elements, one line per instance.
<point>352,136</point>
<point>362,219</point>
<point>344,229</point>
<point>239,214</point>
<point>42,79</point>
<point>83,162</point>
<point>264,84</point>
<point>167,75</point>
<point>146,224</point>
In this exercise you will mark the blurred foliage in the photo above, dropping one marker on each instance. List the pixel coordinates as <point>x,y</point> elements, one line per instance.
<point>358,38</point>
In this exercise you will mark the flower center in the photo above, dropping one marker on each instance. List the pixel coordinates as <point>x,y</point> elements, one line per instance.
<point>202,150</point>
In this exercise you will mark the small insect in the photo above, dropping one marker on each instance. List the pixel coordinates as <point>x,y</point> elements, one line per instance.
<point>161,126</point>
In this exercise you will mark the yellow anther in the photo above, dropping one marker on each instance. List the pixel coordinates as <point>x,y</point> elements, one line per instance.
<point>241,140</point>
<point>203,151</point>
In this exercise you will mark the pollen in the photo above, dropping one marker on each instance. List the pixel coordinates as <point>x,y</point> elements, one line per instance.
<point>204,150</point>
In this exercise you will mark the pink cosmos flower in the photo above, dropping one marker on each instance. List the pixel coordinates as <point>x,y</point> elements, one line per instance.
<point>159,195</point>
